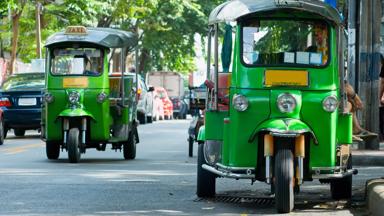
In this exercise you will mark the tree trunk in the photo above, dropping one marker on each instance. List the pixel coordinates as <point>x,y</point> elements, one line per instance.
<point>144,57</point>
<point>15,38</point>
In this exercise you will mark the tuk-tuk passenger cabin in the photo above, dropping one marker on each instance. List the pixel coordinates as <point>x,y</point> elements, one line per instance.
<point>87,106</point>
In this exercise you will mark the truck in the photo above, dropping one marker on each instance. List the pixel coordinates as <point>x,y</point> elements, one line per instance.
<point>173,83</point>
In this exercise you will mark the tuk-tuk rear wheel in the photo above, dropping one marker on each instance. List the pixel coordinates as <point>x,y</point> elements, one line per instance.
<point>129,148</point>
<point>342,188</point>
<point>2,132</point>
<point>73,145</point>
<point>284,188</point>
<point>53,150</point>
<point>190,146</point>
<point>206,181</point>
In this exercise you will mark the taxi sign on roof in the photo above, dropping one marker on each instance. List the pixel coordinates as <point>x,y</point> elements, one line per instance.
<point>76,30</point>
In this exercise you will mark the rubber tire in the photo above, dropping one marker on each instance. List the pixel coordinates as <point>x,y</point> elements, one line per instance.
<point>206,181</point>
<point>149,119</point>
<point>342,188</point>
<point>2,132</point>
<point>190,146</point>
<point>129,148</point>
<point>73,143</point>
<point>142,118</point>
<point>284,188</point>
<point>19,132</point>
<point>53,150</point>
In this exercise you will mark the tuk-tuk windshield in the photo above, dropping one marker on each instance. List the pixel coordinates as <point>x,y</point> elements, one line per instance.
<point>285,42</point>
<point>77,61</point>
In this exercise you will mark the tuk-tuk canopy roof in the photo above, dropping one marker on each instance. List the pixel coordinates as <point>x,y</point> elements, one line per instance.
<point>106,37</point>
<point>235,9</point>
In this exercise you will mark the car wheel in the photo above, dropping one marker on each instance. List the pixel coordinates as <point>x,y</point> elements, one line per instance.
<point>74,145</point>
<point>2,132</point>
<point>52,150</point>
<point>190,146</point>
<point>19,132</point>
<point>129,148</point>
<point>149,119</point>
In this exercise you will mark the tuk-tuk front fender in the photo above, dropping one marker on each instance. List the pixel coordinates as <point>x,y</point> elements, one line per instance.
<point>75,113</point>
<point>283,128</point>
<point>201,135</point>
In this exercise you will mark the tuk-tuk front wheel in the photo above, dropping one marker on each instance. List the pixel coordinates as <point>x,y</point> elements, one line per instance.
<point>342,188</point>
<point>53,150</point>
<point>129,148</point>
<point>73,145</point>
<point>206,181</point>
<point>284,188</point>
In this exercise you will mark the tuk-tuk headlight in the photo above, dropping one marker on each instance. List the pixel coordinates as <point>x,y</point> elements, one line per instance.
<point>240,103</point>
<point>74,97</point>
<point>330,103</point>
<point>286,103</point>
<point>48,97</point>
<point>101,97</point>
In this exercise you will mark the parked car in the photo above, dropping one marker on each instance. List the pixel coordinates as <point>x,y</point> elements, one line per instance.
<point>162,94</point>
<point>1,128</point>
<point>145,102</point>
<point>20,102</point>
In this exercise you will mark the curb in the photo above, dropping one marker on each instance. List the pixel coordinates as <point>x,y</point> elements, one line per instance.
<point>367,158</point>
<point>375,196</point>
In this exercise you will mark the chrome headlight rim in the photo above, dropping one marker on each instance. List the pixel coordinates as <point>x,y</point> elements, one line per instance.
<point>240,102</point>
<point>48,97</point>
<point>330,103</point>
<point>74,97</point>
<point>286,103</point>
<point>102,97</point>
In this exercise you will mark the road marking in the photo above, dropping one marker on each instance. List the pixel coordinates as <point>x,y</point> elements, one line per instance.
<point>19,149</point>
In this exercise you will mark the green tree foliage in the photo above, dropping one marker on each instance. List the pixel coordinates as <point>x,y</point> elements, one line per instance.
<point>166,27</point>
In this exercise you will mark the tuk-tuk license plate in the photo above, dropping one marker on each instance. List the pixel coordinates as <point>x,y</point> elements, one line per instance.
<point>27,101</point>
<point>286,78</point>
<point>75,82</point>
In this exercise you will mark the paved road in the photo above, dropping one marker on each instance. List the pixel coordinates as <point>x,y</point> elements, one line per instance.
<point>161,181</point>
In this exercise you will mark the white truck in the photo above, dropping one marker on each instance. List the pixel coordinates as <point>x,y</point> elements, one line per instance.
<point>174,84</point>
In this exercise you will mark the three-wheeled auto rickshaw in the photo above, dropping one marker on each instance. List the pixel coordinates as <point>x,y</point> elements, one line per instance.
<point>90,101</point>
<point>280,116</point>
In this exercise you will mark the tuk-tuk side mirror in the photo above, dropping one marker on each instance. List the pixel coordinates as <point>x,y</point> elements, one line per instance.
<point>151,89</point>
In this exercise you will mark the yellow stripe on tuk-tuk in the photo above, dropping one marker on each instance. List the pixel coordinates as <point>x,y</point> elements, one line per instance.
<point>286,78</point>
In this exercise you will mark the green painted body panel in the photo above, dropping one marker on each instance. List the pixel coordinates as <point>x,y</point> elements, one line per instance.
<point>344,129</point>
<point>201,135</point>
<point>215,131</point>
<point>76,113</point>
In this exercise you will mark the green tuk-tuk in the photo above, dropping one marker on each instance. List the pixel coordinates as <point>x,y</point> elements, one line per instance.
<point>280,117</point>
<point>90,99</point>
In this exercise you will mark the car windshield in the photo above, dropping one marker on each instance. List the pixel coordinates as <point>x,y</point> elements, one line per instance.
<point>285,42</point>
<point>77,61</point>
<point>24,81</point>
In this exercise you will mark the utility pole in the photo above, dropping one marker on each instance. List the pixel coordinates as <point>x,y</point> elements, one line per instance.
<point>369,66</point>
<point>352,42</point>
<point>38,29</point>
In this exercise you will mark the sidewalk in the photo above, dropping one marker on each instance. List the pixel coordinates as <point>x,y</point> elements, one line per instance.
<point>374,187</point>
<point>367,157</point>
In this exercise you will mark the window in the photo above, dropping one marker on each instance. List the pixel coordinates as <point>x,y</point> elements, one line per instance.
<point>77,61</point>
<point>285,42</point>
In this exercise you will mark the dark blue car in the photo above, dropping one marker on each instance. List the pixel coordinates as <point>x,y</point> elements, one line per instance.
<point>20,101</point>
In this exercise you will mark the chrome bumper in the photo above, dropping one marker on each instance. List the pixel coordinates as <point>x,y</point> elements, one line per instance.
<point>231,172</point>
<point>249,172</point>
